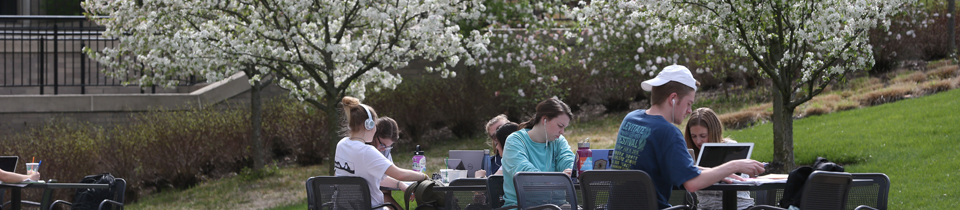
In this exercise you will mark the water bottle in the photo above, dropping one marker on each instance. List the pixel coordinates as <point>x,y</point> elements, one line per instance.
<point>419,161</point>
<point>486,163</point>
<point>584,158</point>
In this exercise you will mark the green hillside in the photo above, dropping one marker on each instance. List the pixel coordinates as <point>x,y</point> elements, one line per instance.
<point>914,141</point>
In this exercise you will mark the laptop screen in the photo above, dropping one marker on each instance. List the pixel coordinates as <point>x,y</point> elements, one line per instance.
<point>472,160</point>
<point>9,163</point>
<point>715,154</point>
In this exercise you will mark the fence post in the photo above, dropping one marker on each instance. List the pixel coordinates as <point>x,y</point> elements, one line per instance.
<point>56,59</point>
<point>83,68</point>
<point>42,55</point>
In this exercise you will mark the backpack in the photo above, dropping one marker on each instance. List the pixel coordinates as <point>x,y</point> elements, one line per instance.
<point>91,198</point>
<point>798,177</point>
<point>427,199</point>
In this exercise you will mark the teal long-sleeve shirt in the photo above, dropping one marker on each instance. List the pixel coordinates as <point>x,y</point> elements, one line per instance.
<point>524,155</point>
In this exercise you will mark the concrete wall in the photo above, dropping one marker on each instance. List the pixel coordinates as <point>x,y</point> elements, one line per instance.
<point>20,112</point>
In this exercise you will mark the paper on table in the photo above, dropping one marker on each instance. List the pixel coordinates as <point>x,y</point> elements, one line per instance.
<point>774,176</point>
<point>759,181</point>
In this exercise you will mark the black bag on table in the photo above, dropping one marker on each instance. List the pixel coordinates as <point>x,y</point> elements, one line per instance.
<point>427,199</point>
<point>88,198</point>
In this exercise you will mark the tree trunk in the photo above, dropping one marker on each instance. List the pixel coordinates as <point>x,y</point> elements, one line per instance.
<point>951,27</point>
<point>783,160</point>
<point>333,130</point>
<point>256,119</point>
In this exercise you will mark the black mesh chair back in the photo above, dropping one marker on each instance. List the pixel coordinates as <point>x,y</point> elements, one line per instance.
<point>825,190</point>
<point>872,193</point>
<point>468,200</point>
<point>337,193</point>
<point>617,189</point>
<point>495,191</point>
<point>119,190</point>
<point>539,188</point>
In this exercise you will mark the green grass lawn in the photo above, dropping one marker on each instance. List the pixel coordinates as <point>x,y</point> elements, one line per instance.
<point>914,141</point>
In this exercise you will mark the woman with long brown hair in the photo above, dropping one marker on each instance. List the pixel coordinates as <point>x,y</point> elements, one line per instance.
<point>539,146</point>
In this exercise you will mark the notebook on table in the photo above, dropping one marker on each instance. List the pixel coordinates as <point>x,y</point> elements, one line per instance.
<point>472,160</point>
<point>9,163</point>
<point>715,154</point>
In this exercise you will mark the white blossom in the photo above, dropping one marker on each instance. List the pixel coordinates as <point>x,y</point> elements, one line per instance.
<point>316,46</point>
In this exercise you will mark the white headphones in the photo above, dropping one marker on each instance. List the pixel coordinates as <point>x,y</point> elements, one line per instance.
<point>673,102</point>
<point>369,124</point>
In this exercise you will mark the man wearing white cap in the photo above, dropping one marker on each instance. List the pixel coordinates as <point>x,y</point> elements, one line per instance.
<point>648,140</point>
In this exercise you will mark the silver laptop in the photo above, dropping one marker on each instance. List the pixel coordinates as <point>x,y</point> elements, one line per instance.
<point>472,160</point>
<point>9,163</point>
<point>715,154</point>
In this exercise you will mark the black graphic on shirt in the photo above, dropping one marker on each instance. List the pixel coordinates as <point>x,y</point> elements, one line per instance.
<point>345,167</point>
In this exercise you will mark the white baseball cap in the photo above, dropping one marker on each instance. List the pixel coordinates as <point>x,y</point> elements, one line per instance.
<point>675,73</point>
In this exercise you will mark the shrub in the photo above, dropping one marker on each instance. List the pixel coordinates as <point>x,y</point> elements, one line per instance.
<point>915,77</point>
<point>937,86</point>
<point>296,130</point>
<point>816,109</point>
<point>944,72</point>
<point>847,105</point>
<point>740,119</point>
<point>159,149</point>
<point>885,95</point>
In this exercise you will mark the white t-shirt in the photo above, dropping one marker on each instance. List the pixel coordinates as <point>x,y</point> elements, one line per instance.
<point>354,158</point>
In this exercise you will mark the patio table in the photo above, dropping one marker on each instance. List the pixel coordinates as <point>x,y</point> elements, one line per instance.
<point>46,200</point>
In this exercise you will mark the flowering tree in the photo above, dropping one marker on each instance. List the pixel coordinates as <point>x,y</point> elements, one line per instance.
<point>802,46</point>
<point>319,50</point>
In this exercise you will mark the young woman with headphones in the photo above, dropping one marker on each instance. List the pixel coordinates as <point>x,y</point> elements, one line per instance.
<point>539,146</point>
<point>355,157</point>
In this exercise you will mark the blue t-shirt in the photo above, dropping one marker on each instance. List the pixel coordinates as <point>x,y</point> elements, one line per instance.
<point>653,145</point>
<point>495,163</point>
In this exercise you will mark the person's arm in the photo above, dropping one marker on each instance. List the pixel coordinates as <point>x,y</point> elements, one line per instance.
<point>712,175</point>
<point>405,175</point>
<point>15,177</point>
<point>515,156</point>
<point>499,172</point>
<point>390,182</point>
<point>565,156</point>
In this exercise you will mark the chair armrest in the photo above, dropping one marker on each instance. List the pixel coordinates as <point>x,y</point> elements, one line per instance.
<point>385,205</point>
<point>679,207</point>
<point>765,207</point>
<point>545,206</point>
<point>60,202</point>
<point>507,207</point>
<point>112,202</point>
<point>860,207</point>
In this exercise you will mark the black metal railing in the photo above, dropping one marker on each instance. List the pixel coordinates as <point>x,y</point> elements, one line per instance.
<point>46,52</point>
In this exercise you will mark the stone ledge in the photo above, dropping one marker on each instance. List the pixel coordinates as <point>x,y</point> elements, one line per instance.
<point>206,96</point>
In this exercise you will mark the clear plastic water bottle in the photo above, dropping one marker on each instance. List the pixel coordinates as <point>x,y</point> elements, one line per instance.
<point>419,161</point>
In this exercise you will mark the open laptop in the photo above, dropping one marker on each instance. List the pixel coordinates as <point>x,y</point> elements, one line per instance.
<point>715,154</point>
<point>9,163</point>
<point>472,160</point>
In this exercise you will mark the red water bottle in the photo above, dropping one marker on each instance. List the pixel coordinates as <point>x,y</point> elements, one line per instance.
<point>584,159</point>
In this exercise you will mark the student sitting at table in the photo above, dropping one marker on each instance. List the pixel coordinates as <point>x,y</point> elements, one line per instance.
<point>6,176</point>
<point>491,129</point>
<point>538,147</point>
<point>649,140</point>
<point>704,127</point>
<point>501,137</point>
<point>387,133</point>
<point>354,157</point>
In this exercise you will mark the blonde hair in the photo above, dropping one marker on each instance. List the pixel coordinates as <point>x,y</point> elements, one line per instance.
<point>355,113</point>
<point>707,118</point>
<point>498,118</point>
